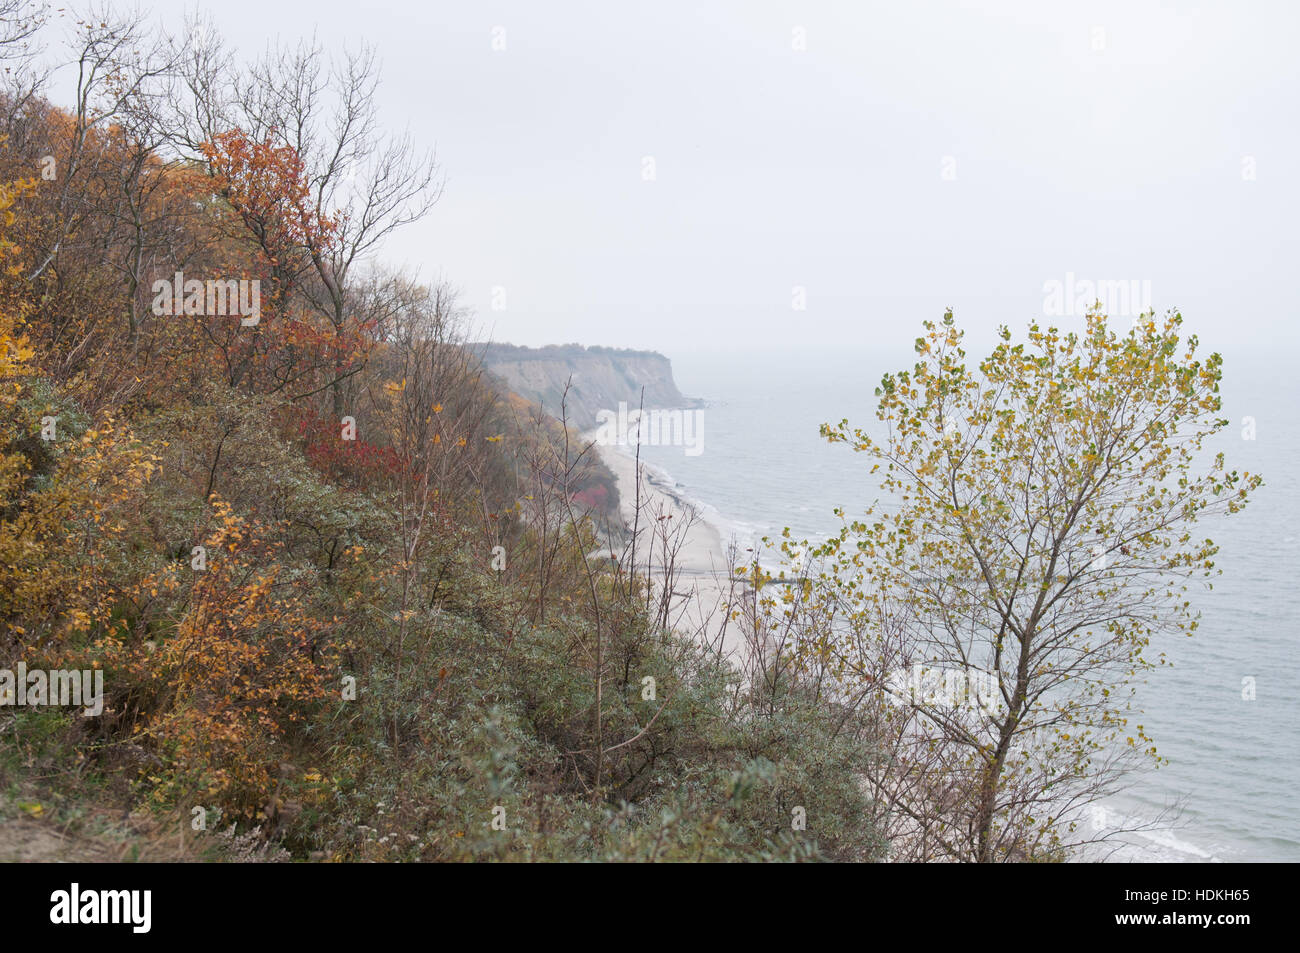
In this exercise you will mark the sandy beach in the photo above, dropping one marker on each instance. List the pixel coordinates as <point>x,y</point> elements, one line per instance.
<point>702,579</point>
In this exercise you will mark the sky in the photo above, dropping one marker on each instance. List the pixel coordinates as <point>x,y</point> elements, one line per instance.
<point>740,176</point>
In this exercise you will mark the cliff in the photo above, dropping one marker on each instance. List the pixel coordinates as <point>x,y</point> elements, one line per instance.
<point>601,378</point>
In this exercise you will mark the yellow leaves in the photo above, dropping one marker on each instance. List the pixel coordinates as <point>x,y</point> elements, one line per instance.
<point>31,808</point>
<point>238,665</point>
<point>52,560</point>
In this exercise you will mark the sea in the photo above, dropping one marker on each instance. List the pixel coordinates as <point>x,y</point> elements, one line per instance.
<point>1225,712</point>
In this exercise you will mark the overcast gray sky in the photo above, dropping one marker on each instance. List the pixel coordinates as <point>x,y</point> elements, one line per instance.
<point>910,157</point>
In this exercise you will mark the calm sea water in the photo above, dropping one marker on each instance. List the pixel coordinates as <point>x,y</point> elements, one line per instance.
<point>1235,763</point>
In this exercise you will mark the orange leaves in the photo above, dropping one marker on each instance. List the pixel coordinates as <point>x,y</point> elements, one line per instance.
<point>266,185</point>
<point>240,668</point>
<point>15,351</point>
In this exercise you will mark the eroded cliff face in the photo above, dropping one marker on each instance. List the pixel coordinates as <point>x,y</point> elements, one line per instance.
<point>601,378</point>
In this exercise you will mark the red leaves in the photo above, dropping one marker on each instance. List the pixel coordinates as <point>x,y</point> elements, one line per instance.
<point>266,185</point>
<point>354,462</point>
<point>592,497</point>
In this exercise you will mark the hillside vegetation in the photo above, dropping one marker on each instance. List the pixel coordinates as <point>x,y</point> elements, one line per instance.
<point>337,580</point>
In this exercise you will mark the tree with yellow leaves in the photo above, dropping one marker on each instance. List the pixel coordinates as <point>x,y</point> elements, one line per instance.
<point>15,351</point>
<point>241,666</point>
<point>995,616</point>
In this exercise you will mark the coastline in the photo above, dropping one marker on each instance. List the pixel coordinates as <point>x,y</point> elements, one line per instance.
<point>703,588</point>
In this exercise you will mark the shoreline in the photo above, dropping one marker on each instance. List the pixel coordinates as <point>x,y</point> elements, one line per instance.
<point>702,578</point>
<point>703,582</point>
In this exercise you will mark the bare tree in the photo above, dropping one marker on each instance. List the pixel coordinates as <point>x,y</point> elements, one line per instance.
<point>366,183</point>
<point>121,65</point>
<point>23,77</point>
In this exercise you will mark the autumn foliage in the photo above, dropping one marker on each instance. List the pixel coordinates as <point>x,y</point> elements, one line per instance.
<point>182,503</point>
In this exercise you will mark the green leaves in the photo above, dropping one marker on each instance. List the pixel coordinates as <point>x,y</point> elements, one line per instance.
<point>1045,546</point>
